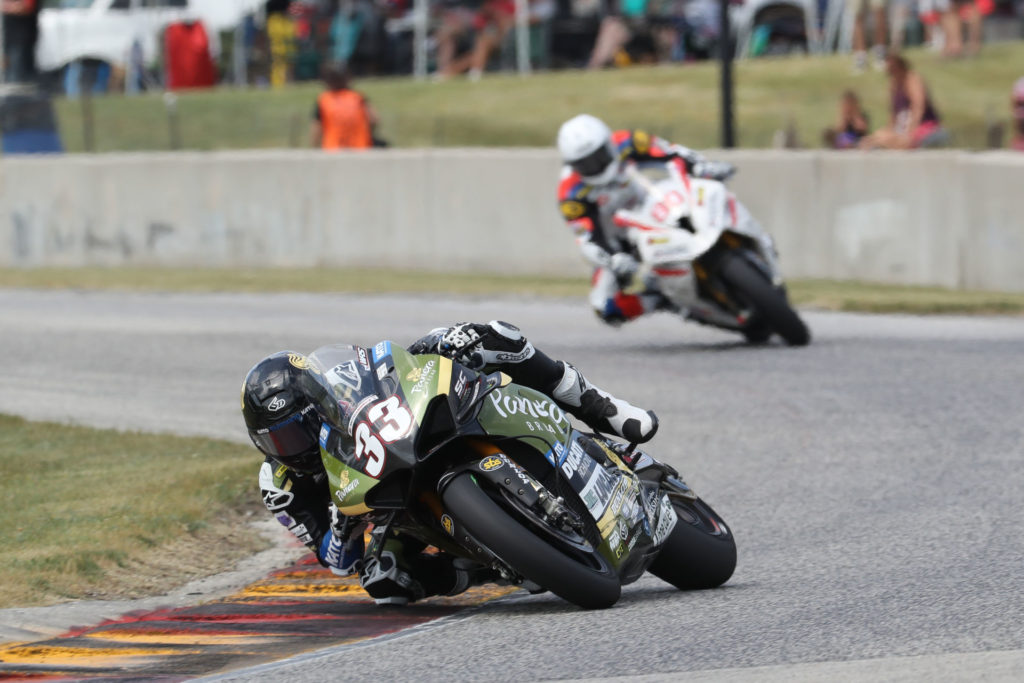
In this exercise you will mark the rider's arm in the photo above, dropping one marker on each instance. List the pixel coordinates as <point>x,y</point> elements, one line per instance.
<point>582,216</point>
<point>644,147</point>
<point>300,503</point>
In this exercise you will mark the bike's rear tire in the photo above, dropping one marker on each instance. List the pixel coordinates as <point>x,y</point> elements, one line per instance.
<point>527,553</point>
<point>769,303</point>
<point>700,552</point>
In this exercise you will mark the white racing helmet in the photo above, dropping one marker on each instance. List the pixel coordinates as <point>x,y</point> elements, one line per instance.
<point>585,143</point>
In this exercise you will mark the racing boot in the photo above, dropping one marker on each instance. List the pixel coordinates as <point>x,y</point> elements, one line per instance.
<point>602,411</point>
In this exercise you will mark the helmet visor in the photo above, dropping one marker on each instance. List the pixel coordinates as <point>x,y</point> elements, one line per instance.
<point>594,163</point>
<point>291,441</point>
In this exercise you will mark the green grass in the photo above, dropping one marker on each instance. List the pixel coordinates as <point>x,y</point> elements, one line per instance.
<point>679,102</point>
<point>824,294</point>
<point>103,513</point>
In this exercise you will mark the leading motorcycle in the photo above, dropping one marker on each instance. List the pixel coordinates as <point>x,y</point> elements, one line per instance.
<point>486,469</point>
<point>710,264</point>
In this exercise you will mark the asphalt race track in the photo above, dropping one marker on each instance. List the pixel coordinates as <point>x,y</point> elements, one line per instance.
<point>872,479</point>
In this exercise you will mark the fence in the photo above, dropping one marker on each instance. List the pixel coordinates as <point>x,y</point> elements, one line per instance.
<point>931,218</point>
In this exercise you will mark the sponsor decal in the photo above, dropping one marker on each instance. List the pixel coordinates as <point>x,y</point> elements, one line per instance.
<point>614,539</point>
<point>448,524</point>
<point>346,373</point>
<point>514,357</point>
<point>277,500</point>
<point>382,371</point>
<point>363,360</point>
<point>658,240</point>
<point>460,385</point>
<point>280,471</point>
<point>277,404</point>
<point>572,210</point>
<point>491,463</point>
<point>507,404</point>
<point>324,433</point>
<point>299,361</point>
<point>343,492</point>
<point>422,377</point>
<point>700,196</point>
<point>381,350</point>
<point>666,522</point>
<point>598,491</point>
<point>285,519</point>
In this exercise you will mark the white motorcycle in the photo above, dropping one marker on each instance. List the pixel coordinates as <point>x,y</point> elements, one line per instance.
<point>710,260</point>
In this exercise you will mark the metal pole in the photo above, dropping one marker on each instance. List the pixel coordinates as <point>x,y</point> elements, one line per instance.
<point>420,10</point>
<point>3,53</point>
<point>725,53</point>
<point>131,81</point>
<point>523,36</point>
<point>238,56</point>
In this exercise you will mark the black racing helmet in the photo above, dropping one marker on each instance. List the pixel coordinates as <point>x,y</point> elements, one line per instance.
<point>282,422</point>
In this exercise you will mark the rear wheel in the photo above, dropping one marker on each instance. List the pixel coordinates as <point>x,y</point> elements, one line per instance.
<point>771,309</point>
<point>700,552</point>
<point>590,587</point>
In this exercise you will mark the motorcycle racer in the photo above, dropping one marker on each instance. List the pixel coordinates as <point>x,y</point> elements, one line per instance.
<point>595,184</point>
<point>285,427</point>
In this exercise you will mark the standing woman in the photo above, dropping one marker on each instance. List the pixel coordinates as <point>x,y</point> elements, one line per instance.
<point>914,120</point>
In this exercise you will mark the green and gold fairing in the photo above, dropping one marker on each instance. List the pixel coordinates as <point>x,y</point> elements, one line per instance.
<point>514,410</point>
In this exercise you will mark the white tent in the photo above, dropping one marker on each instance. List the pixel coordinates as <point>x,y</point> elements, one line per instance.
<point>106,30</point>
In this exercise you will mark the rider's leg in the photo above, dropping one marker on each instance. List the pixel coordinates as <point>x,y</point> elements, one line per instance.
<point>405,574</point>
<point>503,347</point>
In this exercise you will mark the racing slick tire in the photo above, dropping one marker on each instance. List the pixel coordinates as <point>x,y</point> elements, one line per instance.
<point>700,552</point>
<point>526,552</point>
<point>769,303</point>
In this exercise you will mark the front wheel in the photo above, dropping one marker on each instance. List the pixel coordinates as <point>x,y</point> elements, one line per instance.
<point>700,552</point>
<point>528,554</point>
<point>771,308</point>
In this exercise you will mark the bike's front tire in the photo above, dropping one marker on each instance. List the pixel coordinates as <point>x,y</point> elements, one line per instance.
<point>526,552</point>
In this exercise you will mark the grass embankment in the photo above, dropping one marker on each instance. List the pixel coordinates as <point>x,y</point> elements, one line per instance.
<point>99,513</point>
<point>824,294</point>
<point>676,101</point>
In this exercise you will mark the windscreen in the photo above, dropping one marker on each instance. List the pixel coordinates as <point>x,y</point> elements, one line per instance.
<point>338,379</point>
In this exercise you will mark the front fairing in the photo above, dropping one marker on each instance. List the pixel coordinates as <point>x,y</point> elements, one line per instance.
<point>372,401</point>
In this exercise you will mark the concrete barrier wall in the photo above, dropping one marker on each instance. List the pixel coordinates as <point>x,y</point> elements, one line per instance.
<point>942,218</point>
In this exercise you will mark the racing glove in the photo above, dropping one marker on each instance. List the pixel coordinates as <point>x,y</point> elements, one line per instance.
<point>623,265</point>
<point>341,549</point>
<point>476,346</point>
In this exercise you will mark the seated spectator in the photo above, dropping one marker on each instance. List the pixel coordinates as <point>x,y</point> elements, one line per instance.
<point>1017,122</point>
<point>342,118</point>
<point>491,20</point>
<point>616,30</point>
<point>914,120</point>
<point>851,126</point>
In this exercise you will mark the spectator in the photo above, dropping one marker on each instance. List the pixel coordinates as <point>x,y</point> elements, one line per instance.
<point>1017,122</point>
<point>491,20</point>
<point>957,13</point>
<point>342,118</point>
<point>914,120</point>
<point>282,39</point>
<point>617,28</point>
<point>858,10</point>
<point>851,126</point>
<point>20,34</point>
